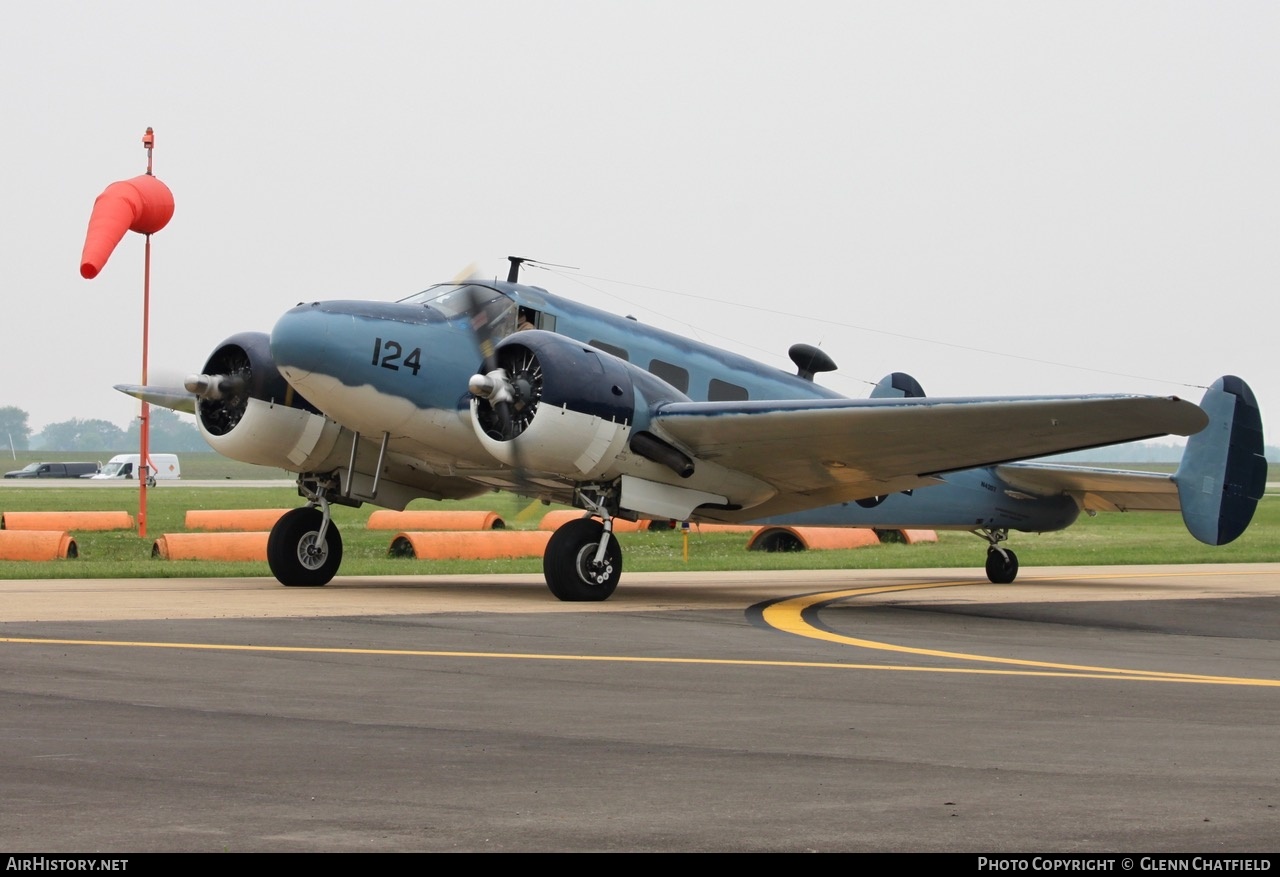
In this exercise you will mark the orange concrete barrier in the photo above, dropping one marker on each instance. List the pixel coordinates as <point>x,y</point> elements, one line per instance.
<point>723,528</point>
<point>811,538</point>
<point>387,519</point>
<point>472,545</point>
<point>556,520</point>
<point>233,519</point>
<point>36,545</point>
<point>907,537</point>
<point>66,521</point>
<point>211,546</point>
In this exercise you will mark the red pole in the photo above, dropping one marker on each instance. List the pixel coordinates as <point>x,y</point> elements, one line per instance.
<point>144,452</point>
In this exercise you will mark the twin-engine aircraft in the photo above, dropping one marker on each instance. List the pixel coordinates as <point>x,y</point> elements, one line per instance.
<point>478,385</point>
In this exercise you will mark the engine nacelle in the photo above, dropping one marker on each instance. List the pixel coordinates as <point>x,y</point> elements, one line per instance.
<point>574,409</point>
<point>267,434</point>
<point>248,412</point>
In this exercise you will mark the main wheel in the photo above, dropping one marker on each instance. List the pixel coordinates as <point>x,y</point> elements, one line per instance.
<point>569,564</point>
<point>295,557</point>
<point>1002,566</point>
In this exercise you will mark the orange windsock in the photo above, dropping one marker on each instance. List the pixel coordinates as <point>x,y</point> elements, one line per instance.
<point>143,204</point>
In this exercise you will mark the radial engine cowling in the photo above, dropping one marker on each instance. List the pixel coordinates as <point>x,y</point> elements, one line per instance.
<point>572,408</point>
<point>248,412</point>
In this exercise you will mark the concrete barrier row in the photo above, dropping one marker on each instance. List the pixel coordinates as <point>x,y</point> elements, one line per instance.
<point>241,534</point>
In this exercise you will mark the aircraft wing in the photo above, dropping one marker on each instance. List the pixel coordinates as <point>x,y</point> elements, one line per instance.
<point>817,452</point>
<point>1095,489</point>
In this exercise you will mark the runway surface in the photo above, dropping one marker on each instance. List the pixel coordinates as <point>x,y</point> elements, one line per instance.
<point>1082,709</point>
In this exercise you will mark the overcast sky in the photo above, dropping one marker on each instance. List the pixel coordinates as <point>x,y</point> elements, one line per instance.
<point>996,197</point>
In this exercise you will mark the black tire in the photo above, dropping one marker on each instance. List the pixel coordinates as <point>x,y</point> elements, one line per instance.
<point>1002,566</point>
<point>293,555</point>
<point>568,564</point>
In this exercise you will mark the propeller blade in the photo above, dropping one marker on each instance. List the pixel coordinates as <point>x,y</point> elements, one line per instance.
<point>486,309</point>
<point>173,398</point>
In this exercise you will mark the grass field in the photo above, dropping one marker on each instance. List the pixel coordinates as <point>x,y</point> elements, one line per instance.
<point>1136,537</point>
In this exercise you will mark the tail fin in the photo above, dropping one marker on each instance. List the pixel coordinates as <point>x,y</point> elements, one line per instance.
<point>1223,472</point>
<point>896,386</point>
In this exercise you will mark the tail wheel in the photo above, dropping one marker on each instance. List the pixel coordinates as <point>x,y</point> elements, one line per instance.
<point>296,556</point>
<point>569,563</point>
<point>1002,566</point>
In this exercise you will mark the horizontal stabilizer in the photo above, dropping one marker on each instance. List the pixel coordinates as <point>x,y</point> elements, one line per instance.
<point>1223,472</point>
<point>173,398</point>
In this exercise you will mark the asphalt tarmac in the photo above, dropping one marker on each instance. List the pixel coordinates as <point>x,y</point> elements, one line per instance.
<point>1084,709</point>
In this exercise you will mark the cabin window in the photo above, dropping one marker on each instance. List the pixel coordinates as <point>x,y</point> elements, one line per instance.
<point>672,374</point>
<point>723,391</point>
<point>609,348</point>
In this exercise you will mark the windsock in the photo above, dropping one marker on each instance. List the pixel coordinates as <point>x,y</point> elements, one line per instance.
<point>143,204</point>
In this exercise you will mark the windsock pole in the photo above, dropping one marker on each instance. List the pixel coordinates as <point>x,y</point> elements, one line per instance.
<point>145,205</point>
<point>144,431</point>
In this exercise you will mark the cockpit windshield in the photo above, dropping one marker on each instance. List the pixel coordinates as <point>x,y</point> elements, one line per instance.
<point>488,311</point>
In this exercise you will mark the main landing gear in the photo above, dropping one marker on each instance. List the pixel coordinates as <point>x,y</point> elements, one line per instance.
<point>583,560</point>
<point>305,547</point>
<point>1002,563</point>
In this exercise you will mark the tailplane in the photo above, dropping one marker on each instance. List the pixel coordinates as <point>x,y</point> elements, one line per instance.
<point>1223,472</point>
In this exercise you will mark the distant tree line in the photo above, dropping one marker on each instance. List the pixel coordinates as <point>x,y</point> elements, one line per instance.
<point>168,433</point>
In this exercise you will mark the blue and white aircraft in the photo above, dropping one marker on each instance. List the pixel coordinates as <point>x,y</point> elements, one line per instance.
<point>475,385</point>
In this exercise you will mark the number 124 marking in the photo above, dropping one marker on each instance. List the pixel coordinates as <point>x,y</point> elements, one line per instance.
<point>387,354</point>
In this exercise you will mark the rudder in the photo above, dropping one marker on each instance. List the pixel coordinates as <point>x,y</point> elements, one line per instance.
<point>1223,472</point>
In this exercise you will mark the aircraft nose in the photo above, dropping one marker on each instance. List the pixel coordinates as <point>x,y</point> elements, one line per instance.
<point>331,350</point>
<point>298,342</point>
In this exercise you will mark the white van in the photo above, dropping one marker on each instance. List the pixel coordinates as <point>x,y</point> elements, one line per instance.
<point>164,467</point>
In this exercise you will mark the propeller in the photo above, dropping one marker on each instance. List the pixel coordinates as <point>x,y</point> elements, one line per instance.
<point>493,384</point>
<point>509,379</point>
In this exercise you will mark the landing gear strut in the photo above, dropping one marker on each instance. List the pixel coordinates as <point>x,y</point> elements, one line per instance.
<point>1002,563</point>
